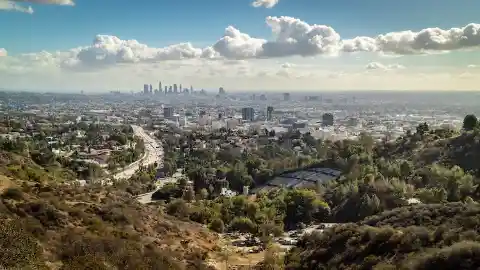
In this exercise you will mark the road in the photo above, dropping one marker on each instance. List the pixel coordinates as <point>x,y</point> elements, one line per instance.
<point>153,153</point>
<point>147,197</point>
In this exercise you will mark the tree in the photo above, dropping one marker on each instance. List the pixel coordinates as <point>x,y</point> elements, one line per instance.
<point>189,194</point>
<point>272,259</point>
<point>422,128</point>
<point>243,224</point>
<point>470,122</point>
<point>303,206</point>
<point>217,225</point>
<point>178,208</point>
<point>203,194</point>
<point>167,192</point>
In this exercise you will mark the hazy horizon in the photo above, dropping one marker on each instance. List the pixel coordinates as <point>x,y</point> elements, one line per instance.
<point>264,44</point>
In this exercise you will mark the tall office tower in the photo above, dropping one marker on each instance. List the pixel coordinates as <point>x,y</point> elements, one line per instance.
<point>286,96</point>
<point>166,89</point>
<point>160,86</point>
<point>151,89</point>
<point>269,113</point>
<point>221,91</point>
<point>168,112</point>
<point>145,89</point>
<point>170,89</point>
<point>175,88</point>
<point>248,114</point>
<point>180,88</point>
<point>327,119</point>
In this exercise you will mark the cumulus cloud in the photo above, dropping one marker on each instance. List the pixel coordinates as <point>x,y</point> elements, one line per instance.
<point>292,37</point>
<point>424,41</point>
<point>236,45</point>
<point>3,52</point>
<point>380,66</point>
<point>47,2</point>
<point>296,37</point>
<point>109,50</point>
<point>265,3</point>
<point>13,5</point>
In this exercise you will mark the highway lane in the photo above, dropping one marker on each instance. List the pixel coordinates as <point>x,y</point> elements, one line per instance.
<point>153,153</point>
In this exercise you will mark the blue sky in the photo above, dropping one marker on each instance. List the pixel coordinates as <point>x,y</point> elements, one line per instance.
<point>53,48</point>
<point>164,22</point>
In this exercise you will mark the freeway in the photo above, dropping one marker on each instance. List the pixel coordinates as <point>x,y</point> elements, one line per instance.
<point>153,153</point>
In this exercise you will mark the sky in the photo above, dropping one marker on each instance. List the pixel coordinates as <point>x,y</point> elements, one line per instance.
<point>241,45</point>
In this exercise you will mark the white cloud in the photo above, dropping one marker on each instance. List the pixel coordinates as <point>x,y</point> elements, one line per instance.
<point>12,6</point>
<point>236,45</point>
<point>265,3</point>
<point>380,66</point>
<point>472,66</point>
<point>3,52</point>
<point>296,37</point>
<point>109,50</point>
<point>292,38</point>
<point>47,2</point>
<point>424,41</point>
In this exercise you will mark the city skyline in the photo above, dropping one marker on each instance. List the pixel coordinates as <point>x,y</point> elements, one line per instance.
<point>284,45</point>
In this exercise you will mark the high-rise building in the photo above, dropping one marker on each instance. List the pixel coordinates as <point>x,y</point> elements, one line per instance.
<point>151,89</point>
<point>327,119</point>
<point>269,113</point>
<point>170,89</point>
<point>168,112</point>
<point>145,89</point>
<point>191,89</point>
<point>286,96</point>
<point>175,88</point>
<point>353,121</point>
<point>221,91</point>
<point>180,88</point>
<point>248,114</point>
<point>166,89</point>
<point>160,86</point>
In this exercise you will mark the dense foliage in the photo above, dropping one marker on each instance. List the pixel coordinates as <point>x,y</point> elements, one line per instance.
<point>263,215</point>
<point>414,237</point>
